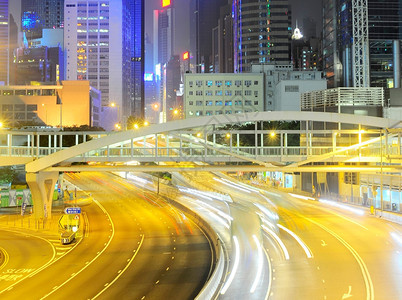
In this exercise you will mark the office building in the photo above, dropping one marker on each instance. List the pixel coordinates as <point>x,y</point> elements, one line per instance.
<point>377,59</point>
<point>39,64</point>
<point>206,15</point>
<point>38,14</point>
<point>261,33</point>
<point>284,85</point>
<point>4,42</point>
<point>222,94</point>
<point>104,43</point>
<point>222,42</point>
<point>51,105</point>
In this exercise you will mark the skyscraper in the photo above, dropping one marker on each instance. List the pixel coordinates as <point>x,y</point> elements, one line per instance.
<point>38,14</point>
<point>104,44</point>
<point>4,42</point>
<point>205,18</point>
<point>384,32</point>
<point>261,32</point>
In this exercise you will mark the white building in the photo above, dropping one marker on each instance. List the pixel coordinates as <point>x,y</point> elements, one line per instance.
<point>93,45</point>
<point>284,86</point>
<point>209,94</point>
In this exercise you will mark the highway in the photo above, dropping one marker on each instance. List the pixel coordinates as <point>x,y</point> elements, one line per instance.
<point>136,247</point>
<point>317,251</point>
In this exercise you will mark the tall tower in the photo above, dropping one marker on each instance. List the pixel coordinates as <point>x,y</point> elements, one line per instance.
<point>38,14</point>
<point>4,42</point>
<point>104,44</point>
<point>361,42</point>
<point>261,32</point>
<point>164,33</point>
<point>206,16</point>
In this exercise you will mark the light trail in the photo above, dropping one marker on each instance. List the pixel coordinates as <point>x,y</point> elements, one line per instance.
<point>260,265</point>
<point>232,185</point>
<point>345,207</point>
<point>299,240</point>
<point>278,240</point>
<point>235,266</point>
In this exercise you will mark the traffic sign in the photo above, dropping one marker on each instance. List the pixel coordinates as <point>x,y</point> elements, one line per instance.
<point>72,210</point>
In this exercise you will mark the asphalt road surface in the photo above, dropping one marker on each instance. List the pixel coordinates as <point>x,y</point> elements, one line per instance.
<point>135,247</point>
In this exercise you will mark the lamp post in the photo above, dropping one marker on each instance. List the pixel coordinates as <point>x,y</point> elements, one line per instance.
<point>115,105</point>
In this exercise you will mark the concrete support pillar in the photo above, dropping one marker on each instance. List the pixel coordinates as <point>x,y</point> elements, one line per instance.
<point>42,186</point>
<point>397,63</point>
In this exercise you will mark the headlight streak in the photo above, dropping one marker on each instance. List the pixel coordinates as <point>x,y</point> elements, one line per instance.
<point>246,186</point>
<point>221,213</point>
<point>241,185</point>
<point>299,240</point>
<point>345,207</point>
<point>195,193</point>
<point>260,265</point>
<point>265,221</point>
<point>235,266</point>
<point>278,240</point>
<point>267,212</point>
<point>231,185</point>
<point>207,195</point>
<point>137,179</point>
<point>301,197</point>
<point>267,199</point>
<point>397,237</point>
<point>213,215</point>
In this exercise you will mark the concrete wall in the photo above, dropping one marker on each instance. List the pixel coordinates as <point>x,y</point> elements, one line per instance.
<point>290,100</point>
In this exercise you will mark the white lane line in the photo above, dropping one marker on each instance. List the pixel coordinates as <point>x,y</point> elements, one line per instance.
<point>366,275</point>
<point>299,240</point>
<point>121,273</point>
<point>88,263</point>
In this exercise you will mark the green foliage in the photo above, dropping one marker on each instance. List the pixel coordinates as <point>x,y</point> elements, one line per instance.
<point>7,174</point>
<point>249,139</point>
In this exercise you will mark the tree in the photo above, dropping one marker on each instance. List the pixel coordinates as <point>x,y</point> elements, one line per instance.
<point>7,174</point>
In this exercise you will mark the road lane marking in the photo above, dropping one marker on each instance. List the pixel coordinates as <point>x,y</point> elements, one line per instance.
<point>348,295</point>
<point>323,243</point>
<point>362,265</point>
<point>50,262</point>
<point>88,263</point>
<point>6,258</point>
<point>121,273</point>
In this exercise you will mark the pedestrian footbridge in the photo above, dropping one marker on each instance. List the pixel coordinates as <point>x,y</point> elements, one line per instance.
<point>341,141</point>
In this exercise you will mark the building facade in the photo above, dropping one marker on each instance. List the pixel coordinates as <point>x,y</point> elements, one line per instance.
<point>38,14</point>
<point>261,31</point>
<point>104,44</point>
<point>284,85</point>
<point>4,42</point>
<point>50,105</point>
<point>222,94</point>
<point>384,30</point>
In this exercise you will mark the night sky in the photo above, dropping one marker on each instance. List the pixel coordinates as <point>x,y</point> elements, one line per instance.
<point>300,9</point>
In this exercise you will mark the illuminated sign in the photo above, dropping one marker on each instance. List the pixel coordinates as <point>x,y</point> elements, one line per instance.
<point>166,3</point>
<point>186,55</point>
<point>158,71</point>
<point>148,76</point>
